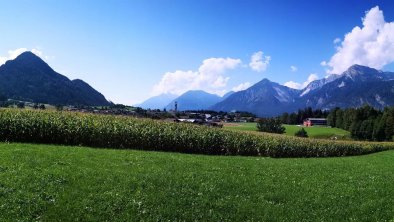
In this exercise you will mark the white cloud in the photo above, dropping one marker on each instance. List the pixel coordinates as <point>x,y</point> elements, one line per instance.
<point>12,54</point>
<point>293,68</point>
<point>175,82</point>
<point>241,86</point>
<point>295,85</point>
<point>292,84</point>
<point>337,40</point>
<point>37,52</point>
<point>312,77</point>
<point>210,77</point>
<point>370,45</point>
<point>258,62</point>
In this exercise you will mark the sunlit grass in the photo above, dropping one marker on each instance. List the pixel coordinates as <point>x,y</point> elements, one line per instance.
<point>313,132</point>
<point>58,183</point>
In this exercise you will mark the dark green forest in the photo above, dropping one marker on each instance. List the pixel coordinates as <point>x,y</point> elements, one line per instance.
<point>302,114</point>
<point>365,123</point>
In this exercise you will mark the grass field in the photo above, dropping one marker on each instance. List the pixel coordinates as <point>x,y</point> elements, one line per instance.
<point>56,183</point>
<point>313,132</point>
<point>319,132</point>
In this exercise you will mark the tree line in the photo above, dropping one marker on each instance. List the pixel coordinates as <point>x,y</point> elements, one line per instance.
<point>302,114</point>
<point>365,123</point>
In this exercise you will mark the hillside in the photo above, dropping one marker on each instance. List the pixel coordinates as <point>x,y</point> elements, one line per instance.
<point>29,78</point>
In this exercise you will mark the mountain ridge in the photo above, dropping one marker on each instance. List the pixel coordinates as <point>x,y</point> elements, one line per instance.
<point>262,98</point>
<point>194,100</point>
<point>357,86</point>
<point>29,78</point>
<point>157,102</point>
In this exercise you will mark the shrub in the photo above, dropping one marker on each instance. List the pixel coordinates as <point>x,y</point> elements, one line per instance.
<point>21,105</point>
<point>270,125</point>
<point>59,107</point>
<point>53,127</point>
<point>301,133</point>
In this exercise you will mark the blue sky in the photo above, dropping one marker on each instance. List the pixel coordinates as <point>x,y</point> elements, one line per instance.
<point>125,48</point>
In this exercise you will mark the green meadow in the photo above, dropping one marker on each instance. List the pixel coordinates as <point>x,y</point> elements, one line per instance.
<point>319,132</point>
<point>64,183</point>
<point>313,132</point>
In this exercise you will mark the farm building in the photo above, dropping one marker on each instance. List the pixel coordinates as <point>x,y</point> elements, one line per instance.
<point>315,122</point>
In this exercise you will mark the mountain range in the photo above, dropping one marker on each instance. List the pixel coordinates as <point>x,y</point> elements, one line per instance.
<point>29,78</point>
<point>357,86</point>
<point>264,98</point>
<point>190,100</point>
<point>157,102</point>
<point>194,100</point>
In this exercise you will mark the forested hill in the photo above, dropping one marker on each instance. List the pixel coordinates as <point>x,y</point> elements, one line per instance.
<point>29,78</point>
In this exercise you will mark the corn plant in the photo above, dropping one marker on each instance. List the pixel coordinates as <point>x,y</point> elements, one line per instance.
<point>67,128</point>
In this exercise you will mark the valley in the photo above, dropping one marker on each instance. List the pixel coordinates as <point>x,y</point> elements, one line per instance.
<point>179,110</point>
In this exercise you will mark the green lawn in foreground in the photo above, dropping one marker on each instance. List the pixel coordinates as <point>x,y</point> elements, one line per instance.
<point>55,183</point>
<point>313,132</point>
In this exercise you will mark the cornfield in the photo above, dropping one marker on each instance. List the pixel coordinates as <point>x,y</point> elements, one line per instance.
<point>121,132</point>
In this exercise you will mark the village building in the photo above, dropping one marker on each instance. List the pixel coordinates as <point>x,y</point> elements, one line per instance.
<point>315,122</point>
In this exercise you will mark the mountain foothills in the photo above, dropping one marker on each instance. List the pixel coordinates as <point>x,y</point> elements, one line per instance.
<point>357,86</point>
<point>29,78</point>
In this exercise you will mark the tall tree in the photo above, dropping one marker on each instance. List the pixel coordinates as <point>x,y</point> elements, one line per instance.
<point>332,117</point>
<point>339,118</point>
<point>389,130</point>
<point>285,118</point>
<point>270,125</point>
<point>294,119</point>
